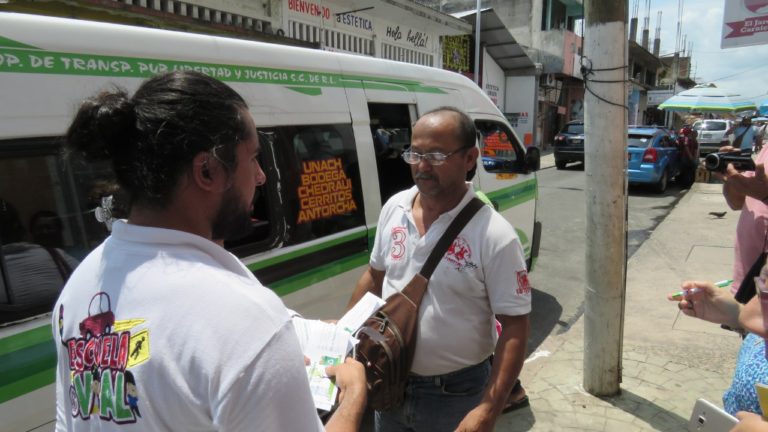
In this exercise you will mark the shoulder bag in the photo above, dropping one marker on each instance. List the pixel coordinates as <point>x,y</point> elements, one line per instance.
<point>387,340</point>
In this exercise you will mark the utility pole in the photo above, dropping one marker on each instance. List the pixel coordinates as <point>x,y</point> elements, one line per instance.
<point>605,125</point>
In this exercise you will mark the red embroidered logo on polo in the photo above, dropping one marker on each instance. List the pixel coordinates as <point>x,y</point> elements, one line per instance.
<point>460,255</point>
<point>523,286</point>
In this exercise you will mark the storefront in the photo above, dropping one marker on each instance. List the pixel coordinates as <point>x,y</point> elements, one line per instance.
<point>390,29</point>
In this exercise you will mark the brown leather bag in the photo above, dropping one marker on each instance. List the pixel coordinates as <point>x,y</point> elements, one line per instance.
<point>388,338</point>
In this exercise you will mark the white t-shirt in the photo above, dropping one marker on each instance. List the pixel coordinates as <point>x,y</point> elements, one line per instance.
<point>483,274</point>
<point>178,335</point>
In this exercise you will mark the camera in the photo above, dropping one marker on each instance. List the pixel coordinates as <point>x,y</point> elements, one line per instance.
<point>719,161</point>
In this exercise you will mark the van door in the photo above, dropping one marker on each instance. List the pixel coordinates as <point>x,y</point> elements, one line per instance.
<point>382,114</point>
<point>391,134</point>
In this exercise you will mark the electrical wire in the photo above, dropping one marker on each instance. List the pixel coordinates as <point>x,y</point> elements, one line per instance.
<point>739,73</point>
<point>587,70</point>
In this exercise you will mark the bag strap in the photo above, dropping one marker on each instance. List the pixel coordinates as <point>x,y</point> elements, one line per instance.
<point>741,136</point>
<point>450,234</point>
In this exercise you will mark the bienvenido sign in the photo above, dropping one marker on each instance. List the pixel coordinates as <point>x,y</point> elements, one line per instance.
<point>328,15</point>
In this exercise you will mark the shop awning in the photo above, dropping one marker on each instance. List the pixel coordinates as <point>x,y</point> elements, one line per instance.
<point>499,42</point>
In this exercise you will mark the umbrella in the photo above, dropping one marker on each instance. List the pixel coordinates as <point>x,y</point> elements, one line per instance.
<point>708,98</point>
<point>763,108</point>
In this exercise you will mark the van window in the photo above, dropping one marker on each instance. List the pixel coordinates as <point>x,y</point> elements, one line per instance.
<point>319,180</point>
<point>43,234</point>
<point>710,126</point>
<point>391,132</point>
<point>264,217</point>
<point>500,149</point>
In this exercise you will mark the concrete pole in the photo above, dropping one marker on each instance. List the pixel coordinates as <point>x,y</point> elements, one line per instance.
<point>675,76</point>
<point>605,118</point>
<point>477,44</point>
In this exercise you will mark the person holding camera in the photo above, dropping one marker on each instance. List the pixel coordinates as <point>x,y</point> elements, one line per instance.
<point>748,191</point>
<point>688,146</point>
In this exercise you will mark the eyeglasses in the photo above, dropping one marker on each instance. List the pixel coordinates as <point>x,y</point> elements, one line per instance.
<point>433,158</point>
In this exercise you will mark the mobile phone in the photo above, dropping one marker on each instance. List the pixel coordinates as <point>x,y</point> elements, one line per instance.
<point>708,417</point>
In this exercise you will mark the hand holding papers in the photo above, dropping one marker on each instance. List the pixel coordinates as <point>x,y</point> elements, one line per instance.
<point>327,344</point>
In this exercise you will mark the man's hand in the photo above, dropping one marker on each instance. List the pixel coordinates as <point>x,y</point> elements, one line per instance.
<point>738,185</point>
<point>350,379</point>
<point>705,301</point>
<point>480,419</point>
<point>754,186</point>
<point>750,422</point>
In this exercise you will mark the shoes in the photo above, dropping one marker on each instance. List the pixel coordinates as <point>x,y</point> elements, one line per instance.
<point>517,398</point>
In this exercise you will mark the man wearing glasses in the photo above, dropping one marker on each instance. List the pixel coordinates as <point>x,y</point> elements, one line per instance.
<point>452,385</point>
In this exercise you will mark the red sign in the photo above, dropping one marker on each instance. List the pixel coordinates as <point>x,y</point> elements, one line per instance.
<point>747,27</point>
<point>755,6</point>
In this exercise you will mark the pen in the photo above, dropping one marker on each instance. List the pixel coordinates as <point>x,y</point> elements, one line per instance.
<point>679,295</point>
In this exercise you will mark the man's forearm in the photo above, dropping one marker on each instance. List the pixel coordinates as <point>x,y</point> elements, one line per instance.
<point>508,359</point>
<point>349,414</point>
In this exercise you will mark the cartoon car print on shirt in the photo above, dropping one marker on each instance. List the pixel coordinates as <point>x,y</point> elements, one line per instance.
<point>99,323</point>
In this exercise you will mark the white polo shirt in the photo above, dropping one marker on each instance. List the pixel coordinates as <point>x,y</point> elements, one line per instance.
<point>162,330</point>
<point>483,274</point>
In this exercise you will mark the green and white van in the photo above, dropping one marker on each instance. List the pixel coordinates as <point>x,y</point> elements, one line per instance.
<point>333,128</point>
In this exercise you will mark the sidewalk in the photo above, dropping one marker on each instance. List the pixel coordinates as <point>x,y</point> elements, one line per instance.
<point>667,364</point>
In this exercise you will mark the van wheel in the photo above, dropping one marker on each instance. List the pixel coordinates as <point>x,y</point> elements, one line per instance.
<point>661,185</point>
<point>560,164</point>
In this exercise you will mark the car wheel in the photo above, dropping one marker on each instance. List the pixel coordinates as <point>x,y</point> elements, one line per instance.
<point>661,185</point>
<point>560,164</point>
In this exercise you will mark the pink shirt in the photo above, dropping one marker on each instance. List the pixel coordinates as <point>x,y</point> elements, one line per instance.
<point>750,233</point>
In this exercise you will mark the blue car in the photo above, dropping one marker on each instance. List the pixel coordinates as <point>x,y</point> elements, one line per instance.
<point>653,157</point>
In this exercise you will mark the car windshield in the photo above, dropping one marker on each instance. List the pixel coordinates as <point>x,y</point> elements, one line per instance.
<point>710,126</point>
<point>638,141</point>
<point>574,129</point>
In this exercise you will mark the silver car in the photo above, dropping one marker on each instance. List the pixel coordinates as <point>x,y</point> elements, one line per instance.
<point>711,134</point>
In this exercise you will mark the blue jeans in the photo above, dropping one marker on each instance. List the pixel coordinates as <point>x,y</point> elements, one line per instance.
<point>436,403</point>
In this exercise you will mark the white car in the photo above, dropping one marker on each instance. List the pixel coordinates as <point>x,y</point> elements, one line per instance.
<point>711,134</point>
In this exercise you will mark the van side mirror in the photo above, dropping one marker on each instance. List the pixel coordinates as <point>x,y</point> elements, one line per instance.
<point>532,159</point>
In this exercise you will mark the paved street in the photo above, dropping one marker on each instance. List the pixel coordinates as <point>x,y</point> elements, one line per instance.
<point>560,271</point>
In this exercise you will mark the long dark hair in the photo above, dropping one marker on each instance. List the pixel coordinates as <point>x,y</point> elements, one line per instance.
<point>152,137</point>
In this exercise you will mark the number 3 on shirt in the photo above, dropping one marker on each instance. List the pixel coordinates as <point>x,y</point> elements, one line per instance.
<point>398,243</point>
